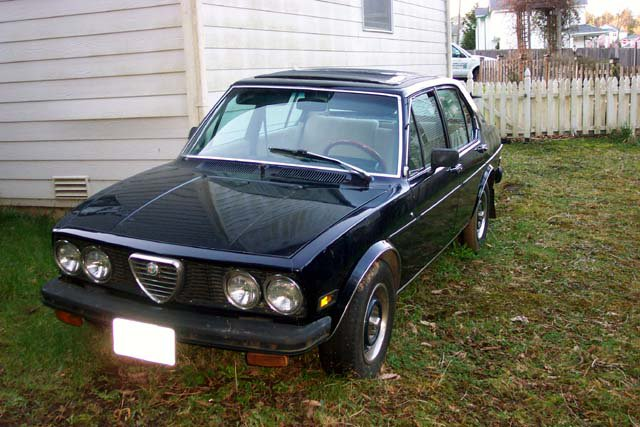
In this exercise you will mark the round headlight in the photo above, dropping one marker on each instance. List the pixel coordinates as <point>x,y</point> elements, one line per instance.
<point>241,289</point>
<point>283,295</point>
<point>67,257</point>
<point>96,264</point>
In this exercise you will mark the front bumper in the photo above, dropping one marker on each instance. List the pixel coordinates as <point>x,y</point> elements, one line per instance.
<point>234,333</point>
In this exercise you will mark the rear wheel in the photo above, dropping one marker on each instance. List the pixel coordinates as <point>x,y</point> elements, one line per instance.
<point>475,233</point>
<point>360,344</point>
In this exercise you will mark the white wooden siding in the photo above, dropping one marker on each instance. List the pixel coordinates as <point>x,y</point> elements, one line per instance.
<point>108,88</point>
<point>244,38</point>
<point>87,88</point>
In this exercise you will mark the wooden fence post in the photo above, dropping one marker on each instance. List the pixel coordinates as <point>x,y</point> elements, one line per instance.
<point>635,92</point>
<point>573,108</point>
<point>527,104</point>
<point>503,109</point>
<point>612,123</point>
<point>600,85</point>
<point>586,106</point>
<point>515,99</point>
<point>540,116</point>
<point>491,104</point>
<point>552,117</point>
<point>623,106</point>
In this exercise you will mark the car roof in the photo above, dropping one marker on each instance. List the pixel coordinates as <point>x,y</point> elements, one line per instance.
<point>349,78</point>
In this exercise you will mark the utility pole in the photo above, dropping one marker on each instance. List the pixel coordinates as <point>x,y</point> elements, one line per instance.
<point>459,18</point>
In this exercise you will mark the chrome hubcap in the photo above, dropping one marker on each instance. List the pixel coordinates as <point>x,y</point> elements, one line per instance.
<point>372,328</point>
<point>375,322</point>
<point>481,221</point>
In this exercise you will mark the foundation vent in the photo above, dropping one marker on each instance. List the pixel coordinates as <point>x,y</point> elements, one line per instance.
<point>71,187</point>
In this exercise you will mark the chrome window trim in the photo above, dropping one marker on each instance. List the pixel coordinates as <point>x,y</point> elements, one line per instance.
<point>463,149</point>
<point>398,173</point>
<point>425,169</point>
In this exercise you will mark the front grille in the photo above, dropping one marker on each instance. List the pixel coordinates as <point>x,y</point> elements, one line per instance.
<point>159,278</point>
<point>201,285</point>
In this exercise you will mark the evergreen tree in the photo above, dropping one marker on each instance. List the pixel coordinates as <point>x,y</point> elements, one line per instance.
<point>469,29</point>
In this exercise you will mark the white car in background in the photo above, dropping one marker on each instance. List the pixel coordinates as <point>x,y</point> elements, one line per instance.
<point>462,62</point>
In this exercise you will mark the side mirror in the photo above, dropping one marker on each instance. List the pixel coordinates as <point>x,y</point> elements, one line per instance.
<point>444,157</point>
<point>192,131</point>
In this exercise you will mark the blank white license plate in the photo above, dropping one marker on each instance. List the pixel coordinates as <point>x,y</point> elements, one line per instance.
<point>144,341</point>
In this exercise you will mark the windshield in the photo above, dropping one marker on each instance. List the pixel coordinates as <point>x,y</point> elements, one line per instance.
<point>358,129</point>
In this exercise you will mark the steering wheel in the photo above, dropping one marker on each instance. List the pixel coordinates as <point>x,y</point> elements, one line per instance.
<point>363,147</point>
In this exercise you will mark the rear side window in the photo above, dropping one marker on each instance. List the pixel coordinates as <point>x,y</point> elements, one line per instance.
<point>428,123</point>
<point>454,117</point>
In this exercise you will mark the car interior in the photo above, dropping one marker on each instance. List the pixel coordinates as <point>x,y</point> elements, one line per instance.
<point>359,129</point>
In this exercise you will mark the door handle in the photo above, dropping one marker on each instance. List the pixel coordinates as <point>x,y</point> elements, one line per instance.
<point>482,148</point>
<point>457,168</point>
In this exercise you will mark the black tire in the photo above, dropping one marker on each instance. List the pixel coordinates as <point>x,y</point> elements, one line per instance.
<point>475,74</point>
<point>358,347</point>
<point>475,233</point>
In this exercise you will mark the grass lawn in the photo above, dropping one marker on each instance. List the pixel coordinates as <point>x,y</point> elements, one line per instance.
<point>541,327</point>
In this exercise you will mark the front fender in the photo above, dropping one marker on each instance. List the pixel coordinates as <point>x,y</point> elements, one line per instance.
<point>379,251</point>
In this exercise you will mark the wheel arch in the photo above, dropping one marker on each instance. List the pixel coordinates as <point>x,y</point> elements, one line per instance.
<point>487,178</point>
<point>380,251</point>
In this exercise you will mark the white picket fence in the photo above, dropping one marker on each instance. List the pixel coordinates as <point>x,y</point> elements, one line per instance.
<point>559,107</point>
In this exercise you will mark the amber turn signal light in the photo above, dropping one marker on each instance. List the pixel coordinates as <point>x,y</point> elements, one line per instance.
<point>69,318</point>
<point>327,300</point>
<point>267,360</point>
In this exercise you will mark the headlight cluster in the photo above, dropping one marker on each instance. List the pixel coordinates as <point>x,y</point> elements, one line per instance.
<point>93,261</point>
<point>282,294</point>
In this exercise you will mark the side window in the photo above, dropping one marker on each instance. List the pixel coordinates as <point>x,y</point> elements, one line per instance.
<point>428,124</point>
<point>456,53</point>
<point>415,152</point>
<point>454,117</point>
<point>470,119</point>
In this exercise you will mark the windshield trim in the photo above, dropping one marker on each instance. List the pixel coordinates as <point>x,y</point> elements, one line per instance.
<point>187,148</point>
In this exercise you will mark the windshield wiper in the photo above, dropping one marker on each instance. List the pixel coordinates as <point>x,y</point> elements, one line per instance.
<point>304,154</point>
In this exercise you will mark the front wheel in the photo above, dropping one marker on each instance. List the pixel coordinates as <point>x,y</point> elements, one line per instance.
<point>360,343</point>
<point>475,233</point>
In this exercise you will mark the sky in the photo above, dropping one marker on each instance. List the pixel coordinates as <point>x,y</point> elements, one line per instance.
<point>596,7</point>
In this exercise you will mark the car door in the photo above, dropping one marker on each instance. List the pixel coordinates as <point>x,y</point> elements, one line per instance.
<point>433,193</point>
<point>464,135</point>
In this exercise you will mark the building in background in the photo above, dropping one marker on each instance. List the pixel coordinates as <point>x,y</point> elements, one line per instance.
<point>93,92</point>
<point>587,35</point>
<point>496,26</point>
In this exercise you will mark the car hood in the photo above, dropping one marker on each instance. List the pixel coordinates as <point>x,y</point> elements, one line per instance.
<point>184,205</point>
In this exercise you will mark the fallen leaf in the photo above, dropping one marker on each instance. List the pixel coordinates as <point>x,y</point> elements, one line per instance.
<point>413,328</point>
<point>521,319</point>
<point>436,291</point>
<point>389,376</point>
<point>311,407</point>
<point>432,325</point>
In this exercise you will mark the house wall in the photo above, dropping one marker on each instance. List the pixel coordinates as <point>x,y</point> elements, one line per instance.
<point>87,88</point>
<point>501,25</point>
<point>109,88</point>
<point>249,37</point>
